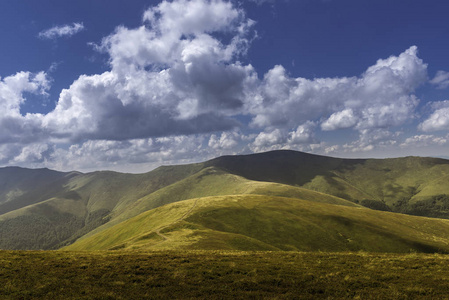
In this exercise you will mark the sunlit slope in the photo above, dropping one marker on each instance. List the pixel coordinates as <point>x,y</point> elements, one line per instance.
<point>215,182</point>
<point>85,204</point>
<point>256,222</point>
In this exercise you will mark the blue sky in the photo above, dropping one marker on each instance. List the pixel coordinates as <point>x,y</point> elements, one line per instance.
<point>131,85</point>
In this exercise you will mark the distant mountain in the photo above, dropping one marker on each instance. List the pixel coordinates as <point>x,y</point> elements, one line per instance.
<point>411,185</point>
<point>44,209</point>
<point>20,187</point>
<point>61,209</point>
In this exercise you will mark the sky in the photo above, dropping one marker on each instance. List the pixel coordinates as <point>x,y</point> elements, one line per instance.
<point>132,85</point>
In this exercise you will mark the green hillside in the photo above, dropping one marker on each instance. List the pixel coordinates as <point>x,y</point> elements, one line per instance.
<point>44,209</point>
<point>411,185</point>
<point>214,182</point>
<point>256,222</point>
<point>75,204</point>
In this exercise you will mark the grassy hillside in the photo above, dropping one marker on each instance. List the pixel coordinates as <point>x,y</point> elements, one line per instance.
<point>256,222</point>
<point>73,204</point>
<point>44,209</point>
<point>408,185</point>
<point>214,182</point>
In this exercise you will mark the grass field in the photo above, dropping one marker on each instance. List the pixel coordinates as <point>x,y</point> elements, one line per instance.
<point>221,275</point>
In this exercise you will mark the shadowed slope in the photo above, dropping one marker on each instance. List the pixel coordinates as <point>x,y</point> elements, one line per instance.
<point>76,203</point>
<point>283,166</point>
<point>20,187</point>
<point>396,184</point>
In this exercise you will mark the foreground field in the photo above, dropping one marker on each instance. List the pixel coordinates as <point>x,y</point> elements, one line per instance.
<point>212,274</point>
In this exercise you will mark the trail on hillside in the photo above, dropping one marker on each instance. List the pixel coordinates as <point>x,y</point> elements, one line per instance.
<point>353,186</point>
<point>158,231</point>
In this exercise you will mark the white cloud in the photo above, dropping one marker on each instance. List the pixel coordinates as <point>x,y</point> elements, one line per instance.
<point>195,17</point>
<point>284,139</point>
<point>439,119</point>
<point>267,139</point>
<point>168,77</point>
<point>381,97</point>
<point>226,141</point>
<point>424,140</point>
<point>14,126</point>
<point>371,139</point>
<point>138,155</point>
<point>303,134</point>
<point>177,92</point>
<point>340,120</point>
<point>441,80</point>
<point>61,31</point>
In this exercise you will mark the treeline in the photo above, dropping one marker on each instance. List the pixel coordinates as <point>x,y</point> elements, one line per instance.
<point>93,220</point>
<point>34,232</point>
<point>50,231</point>
<point>435,207</point>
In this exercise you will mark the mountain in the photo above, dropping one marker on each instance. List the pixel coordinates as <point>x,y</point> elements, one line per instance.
<point>44,209</point>
<point>256,222</point>
<point>411,185</point>
<point>60,211</point>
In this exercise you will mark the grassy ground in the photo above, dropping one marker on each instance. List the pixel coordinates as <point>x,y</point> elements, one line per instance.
<point>223,275</point>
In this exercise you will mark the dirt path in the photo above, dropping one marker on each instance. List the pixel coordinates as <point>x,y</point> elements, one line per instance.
<point>158,231</point>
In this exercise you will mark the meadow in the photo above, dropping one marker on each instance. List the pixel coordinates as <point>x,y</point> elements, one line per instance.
<point>221,275</point>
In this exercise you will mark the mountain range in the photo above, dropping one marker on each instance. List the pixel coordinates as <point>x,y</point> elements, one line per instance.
<point>279,200</point>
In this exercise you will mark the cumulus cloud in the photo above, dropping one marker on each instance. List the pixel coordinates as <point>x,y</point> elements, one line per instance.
<point>370,139</point>
<point>226,141</point>
<point>178,78</point>
<point>441,80</point>
<point>14,126</point>
<point>282,139</point>
<point>177,91</point>
<point>424,140</point>
<point>272,138</point>
<point>170,76</point>
<point>339,120</point>
<point>439,119</point>
<point>381,97</point>
<point>61,31</point>
<point>139,155</point>
<point>304,133</point>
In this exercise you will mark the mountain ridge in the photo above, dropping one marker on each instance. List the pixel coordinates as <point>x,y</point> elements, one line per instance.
<point>96,201</point>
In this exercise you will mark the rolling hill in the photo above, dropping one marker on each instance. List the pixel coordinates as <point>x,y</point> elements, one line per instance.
<point>256,222</point>
<point>44,209</point>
